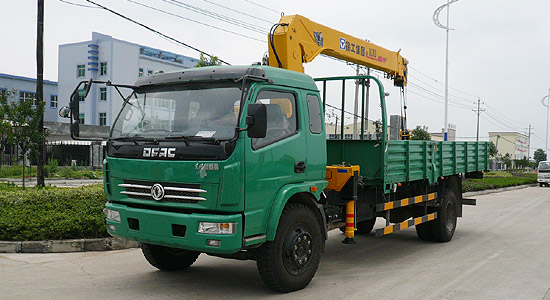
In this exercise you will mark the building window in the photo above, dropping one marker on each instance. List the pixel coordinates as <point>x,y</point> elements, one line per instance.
<point>140,74</point>
<point>150,72</point>
<point>80,70</point>
<point>26,96</point>
<point>102,119</point>
<point>81,95</point>
<point>103,94</point>
<point>103,68</point>
<point>81,118</point>
<point>53,101</point>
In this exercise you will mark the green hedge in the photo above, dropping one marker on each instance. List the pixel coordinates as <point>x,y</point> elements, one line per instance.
<point>488,183</point>
<point>53,213</point>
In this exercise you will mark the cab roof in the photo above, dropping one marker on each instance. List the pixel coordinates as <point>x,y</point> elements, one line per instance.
<point>222,73</point>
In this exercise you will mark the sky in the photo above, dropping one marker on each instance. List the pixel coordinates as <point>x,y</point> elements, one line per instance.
<point>497,50</point>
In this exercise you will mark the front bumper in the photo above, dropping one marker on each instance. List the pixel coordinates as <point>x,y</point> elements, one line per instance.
<point>543,180</point>
<point>157,227</point>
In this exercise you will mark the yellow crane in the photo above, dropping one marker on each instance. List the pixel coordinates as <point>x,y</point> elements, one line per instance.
<point>296,40</point>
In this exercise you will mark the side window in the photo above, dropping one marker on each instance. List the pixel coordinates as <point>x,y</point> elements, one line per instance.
<point>281,116</point>
<point>314,111</point>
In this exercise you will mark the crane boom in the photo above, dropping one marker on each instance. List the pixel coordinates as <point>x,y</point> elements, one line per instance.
<point>296,40</point>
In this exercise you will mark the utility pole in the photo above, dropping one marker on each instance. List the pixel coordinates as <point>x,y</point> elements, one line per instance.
<point>529,143</point>
<point>478,111</point>
<point>40,88</point>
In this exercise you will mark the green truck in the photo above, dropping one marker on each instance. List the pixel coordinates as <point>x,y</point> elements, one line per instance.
<point>234,162</point>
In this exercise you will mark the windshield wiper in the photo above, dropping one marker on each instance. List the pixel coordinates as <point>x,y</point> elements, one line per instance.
<point>187,138</point>
<point>136,138</point>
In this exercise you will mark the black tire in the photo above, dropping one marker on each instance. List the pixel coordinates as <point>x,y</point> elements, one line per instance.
<point>424,232</point>
<point>443,228</point>
<point>168,259</point>
<point>289,262</point>
<point>541,184</point>
<point>363,227</point>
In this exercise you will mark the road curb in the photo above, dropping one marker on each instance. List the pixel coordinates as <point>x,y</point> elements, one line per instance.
<point>65,246</point>
<point>510,188</point>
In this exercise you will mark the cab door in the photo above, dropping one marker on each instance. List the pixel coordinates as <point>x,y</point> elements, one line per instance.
<point>276,160</point>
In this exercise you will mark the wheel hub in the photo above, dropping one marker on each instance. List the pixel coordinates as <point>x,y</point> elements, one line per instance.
<point>297,250</point>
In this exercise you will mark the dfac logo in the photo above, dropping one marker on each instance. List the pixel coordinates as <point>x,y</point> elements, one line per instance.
<point>343,43</point>
<point>157,191</point>
<point>159,152</point>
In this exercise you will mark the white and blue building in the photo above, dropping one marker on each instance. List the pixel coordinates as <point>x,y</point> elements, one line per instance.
<point>105,58</point>
<point>19,87</point>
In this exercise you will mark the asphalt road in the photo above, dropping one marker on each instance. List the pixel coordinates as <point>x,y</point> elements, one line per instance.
<point>501,250</point>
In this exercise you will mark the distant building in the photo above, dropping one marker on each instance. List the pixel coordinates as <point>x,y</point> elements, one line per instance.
<point>440,136</point>
<point>107,59</point>
<point>513,143</point>
<point>25,88</point>
<point>333,131</point>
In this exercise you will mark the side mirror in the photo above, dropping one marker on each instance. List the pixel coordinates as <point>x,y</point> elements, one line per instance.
<point>65,112</point>
<point>256,120</point>
<point>74,105</point>
<point>75,130</point>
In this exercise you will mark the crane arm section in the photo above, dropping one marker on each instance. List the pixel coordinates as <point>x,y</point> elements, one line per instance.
<point>297,40</point>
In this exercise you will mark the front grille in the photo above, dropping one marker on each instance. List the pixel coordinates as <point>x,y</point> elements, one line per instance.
<point>173,192</point>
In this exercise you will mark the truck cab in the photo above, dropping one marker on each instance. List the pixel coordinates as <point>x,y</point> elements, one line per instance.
<point>205,159</point>
<point>543,173</point>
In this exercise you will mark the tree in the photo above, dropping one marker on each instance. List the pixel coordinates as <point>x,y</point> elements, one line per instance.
<point>25,116</point>
<point>539,155</point>
<point>420,133</point>
<point>492,149</point>
<point>521,163</point>
<point>6,130</point>
<point>206,61</point>
<point>507,161</point>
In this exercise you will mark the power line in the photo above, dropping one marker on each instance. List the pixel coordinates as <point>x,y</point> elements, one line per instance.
<point>194,21</point>
<point>155,31</point>
<point>264,7</point>
<point>217,16</point>
<point>76,4</point>
<point>239,12</point>
<point>468,94</point>
<point>505,117</point>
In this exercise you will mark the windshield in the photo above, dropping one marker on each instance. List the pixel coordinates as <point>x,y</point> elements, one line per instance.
<point>197,110</point>
<point>544,165</point>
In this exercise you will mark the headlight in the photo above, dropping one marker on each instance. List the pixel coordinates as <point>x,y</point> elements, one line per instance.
<point>112,215</point>
<point>217,228</point>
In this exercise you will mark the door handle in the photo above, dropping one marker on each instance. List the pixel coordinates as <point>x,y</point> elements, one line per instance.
<point>300,167</point>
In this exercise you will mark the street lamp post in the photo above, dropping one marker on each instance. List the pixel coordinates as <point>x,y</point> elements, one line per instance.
<point>446,27</point>
<point>547,117</point>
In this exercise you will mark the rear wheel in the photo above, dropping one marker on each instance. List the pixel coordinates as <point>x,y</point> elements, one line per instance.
<point>424,232</point>
<point>289,262</point>
<point>168,259</point>
<point>443,228</point>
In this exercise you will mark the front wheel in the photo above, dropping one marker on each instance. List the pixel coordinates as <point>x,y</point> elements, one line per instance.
<point>290,261</point>
<point>168,259</point>
<point>541,184</point>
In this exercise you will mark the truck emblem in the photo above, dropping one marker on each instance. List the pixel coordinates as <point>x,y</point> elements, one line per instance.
<point>159,152</point>
<point>157,191</point>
